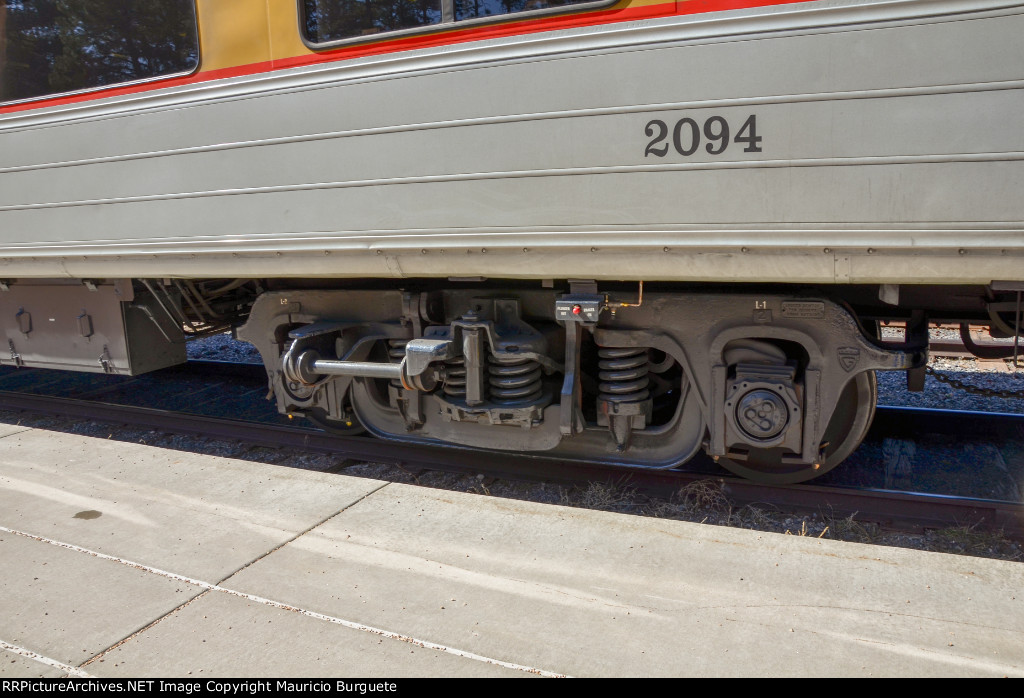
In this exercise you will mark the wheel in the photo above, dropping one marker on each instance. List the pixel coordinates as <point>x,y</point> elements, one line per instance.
<point>847,428</point>
<point>348,427</point>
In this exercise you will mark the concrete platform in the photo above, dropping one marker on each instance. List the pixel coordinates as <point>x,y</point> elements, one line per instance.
<point>128,560</point>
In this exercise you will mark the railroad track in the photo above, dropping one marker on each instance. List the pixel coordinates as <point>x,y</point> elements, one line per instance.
<point>955,348</point>
<point>96,398</point>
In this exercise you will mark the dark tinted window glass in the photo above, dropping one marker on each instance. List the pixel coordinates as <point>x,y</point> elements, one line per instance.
<point>331,20</point>
<point>471,9</point>
<point>53,46</point>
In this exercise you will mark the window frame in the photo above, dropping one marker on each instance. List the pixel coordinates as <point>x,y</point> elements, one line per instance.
<point>127,83</point>
<point>448,23</point>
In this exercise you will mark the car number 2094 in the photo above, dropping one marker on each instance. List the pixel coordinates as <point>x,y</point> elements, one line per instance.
<point>686,135</point>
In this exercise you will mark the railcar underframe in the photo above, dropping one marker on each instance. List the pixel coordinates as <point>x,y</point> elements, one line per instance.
<point>775,383</point>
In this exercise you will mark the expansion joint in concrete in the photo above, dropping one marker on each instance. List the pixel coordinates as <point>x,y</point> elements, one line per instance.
<point>99,656</point>
<point>298,535</point>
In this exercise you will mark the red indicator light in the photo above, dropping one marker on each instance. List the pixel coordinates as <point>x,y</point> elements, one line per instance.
<point>576,310</point>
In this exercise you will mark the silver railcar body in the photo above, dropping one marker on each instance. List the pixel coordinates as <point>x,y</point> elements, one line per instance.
<point>890,151</point>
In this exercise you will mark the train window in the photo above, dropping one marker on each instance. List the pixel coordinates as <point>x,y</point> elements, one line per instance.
<point>471,9</point>
<point>328,23</point>
<point>52,47</point>
<point>328,20</point>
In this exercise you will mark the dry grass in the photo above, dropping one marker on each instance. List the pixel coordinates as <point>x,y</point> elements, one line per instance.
<point>756,517</point>
<point>604,496</point>
<point>849,529</point>
<point>704,496</point>
<point>702,501</point>
<point>705,501</point>
<point>968,540</point>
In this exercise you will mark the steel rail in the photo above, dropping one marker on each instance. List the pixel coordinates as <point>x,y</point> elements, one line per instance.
<point>895,421</point>
<point>901,510</point>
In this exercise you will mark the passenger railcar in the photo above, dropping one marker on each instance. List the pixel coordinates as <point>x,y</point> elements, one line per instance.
<point>613,230</point>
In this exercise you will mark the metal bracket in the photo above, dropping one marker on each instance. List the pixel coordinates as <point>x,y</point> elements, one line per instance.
<point>582,304</point>
<point>420,353</point>
<point>411,304</point>
<point>316,329</point>
<point>579,308</point>
<point>84,324</point>
<point>582,286</point>
<point>916,336</point>
<point>105,361</point>
<point>889,293</point>
<point>15,356</point>
<point>571,420</point>
<point>24,319</point>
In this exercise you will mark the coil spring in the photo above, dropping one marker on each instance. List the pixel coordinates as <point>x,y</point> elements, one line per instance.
<point>514,380</point>
<point>623,373</point>
<point>396,352</point>
<point>455,377</point>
